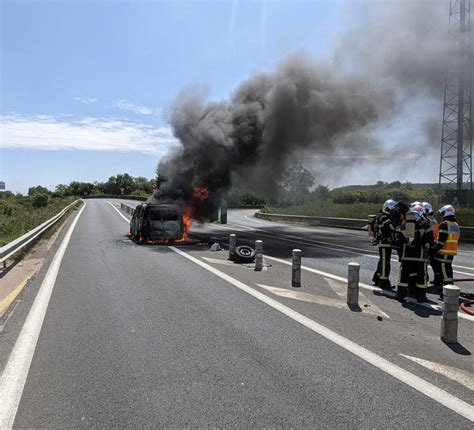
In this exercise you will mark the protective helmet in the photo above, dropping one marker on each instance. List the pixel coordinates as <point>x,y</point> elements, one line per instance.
<point>428,208</point>
<point>447,210</point>
<point>389,204</point>
<point>417,210</point>
<point>415,204</point>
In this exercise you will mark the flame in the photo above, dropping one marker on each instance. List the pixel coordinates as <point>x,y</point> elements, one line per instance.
<point>200,193</point>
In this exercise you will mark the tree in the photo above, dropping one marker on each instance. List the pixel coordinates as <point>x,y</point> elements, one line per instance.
<point>298,180</point>
<point>37,190</point>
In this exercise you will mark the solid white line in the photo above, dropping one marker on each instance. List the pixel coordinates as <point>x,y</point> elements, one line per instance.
<point>457,405</point>
<point>16,371</point>
<point>120,213</point>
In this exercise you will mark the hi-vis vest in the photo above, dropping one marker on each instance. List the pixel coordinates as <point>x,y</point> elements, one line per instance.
<point>451,245</point>
<point>435,227</point>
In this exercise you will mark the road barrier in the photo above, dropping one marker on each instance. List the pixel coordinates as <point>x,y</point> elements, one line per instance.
<point>258,255</point>
<point>467,233</point>
<point>449,319</point>
<point>18,244</point>
<point>353,284</point>
<point>296,268</point>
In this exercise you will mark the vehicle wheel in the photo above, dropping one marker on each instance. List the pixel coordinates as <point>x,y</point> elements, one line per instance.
<point>244,254</point>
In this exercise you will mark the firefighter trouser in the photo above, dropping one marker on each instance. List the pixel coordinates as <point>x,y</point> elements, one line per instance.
<point>413,274</point>
<point>443,269</point>
<point>383,266</point>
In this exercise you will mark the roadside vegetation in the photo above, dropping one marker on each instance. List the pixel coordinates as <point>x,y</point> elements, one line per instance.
<point>19,214</point>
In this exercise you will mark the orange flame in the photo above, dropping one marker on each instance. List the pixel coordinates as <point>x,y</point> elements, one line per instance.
<point>200,193</point>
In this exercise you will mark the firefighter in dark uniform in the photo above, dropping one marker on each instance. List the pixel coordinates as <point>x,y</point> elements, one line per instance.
<point>445,248</point>
<point>413,275</point>
<point>385,235</point>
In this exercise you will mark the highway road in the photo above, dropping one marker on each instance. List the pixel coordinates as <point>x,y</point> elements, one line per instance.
<point>113,334</point>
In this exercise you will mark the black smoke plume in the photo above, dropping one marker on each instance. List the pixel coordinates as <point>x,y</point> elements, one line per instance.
<point>304,107</point>
<point>270,119</point>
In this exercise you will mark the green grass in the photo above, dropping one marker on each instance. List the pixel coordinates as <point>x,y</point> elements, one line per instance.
<point>18,216</point>
<point>355,210</point>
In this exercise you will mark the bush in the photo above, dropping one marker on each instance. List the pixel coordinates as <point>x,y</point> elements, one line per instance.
<point>40,200</point>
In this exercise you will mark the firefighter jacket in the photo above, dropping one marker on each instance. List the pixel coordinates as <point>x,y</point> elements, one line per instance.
<point>386,230</point>
<point>449,234</point>
<point>417,249</point>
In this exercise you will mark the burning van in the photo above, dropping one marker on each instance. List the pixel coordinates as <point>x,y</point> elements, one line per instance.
<point>155,223</point>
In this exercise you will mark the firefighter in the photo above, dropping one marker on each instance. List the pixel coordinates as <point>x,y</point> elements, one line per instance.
<point>414,257</point>
<point>445,248</point>
<point>386,222</point>
<point>434,227</point>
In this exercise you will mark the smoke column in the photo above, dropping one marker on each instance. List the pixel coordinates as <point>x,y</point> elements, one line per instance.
<point>273,118</point>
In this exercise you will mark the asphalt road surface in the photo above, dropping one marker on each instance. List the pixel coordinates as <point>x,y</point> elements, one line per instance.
<point>113,334</point>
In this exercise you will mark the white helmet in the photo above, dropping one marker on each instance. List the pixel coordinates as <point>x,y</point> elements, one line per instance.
<point>389,204</point>
<point>447,210</point>
<point>417,210</point>
<point>428,208</point>
<point>415,204</point>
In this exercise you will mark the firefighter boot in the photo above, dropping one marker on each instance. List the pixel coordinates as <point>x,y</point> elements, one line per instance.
<point>385,284</point>
<point>376,279</point>
<point>420,295</point>
<point>401,294</point>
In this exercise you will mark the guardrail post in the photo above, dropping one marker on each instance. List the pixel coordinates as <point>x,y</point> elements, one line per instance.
<point>353,284</point>
<point>296,268</point>
<point>449,319</point>
<point>232,245</point>
<point>258,255</point>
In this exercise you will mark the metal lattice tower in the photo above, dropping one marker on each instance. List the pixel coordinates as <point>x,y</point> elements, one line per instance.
<point>456,140</point>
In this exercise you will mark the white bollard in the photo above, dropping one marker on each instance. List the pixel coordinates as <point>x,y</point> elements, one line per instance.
<point>296,268</point>
<point>449,319</point>
<point>258,255</point>
<point>232,245</point>
<point>353,284</point>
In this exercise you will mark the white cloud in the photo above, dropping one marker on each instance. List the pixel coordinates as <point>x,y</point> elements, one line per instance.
<point>133,107</point>
<point>85,99</point>
<point>47,132</point>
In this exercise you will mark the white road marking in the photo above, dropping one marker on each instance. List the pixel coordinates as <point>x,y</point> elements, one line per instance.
<point>461,376</point>
<point>12,381</point>
<point>341,291</point>
<point>435,393</point>
<point>318,299</point>
<point>120,213</point>
<point>217,261</point>
<point>340,278</point>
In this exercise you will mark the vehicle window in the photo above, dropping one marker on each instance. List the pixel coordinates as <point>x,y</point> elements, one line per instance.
<point>167,214</point>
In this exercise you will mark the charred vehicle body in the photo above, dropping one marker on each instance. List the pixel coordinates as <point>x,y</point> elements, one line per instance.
<point>157,223</point>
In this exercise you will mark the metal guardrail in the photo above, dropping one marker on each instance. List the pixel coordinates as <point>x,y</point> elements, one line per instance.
<point>316,220</point>
<point>16,245</point>
<point>467,233</point>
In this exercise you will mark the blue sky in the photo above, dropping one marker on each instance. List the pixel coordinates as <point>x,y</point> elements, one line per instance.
<point>85,84</point>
